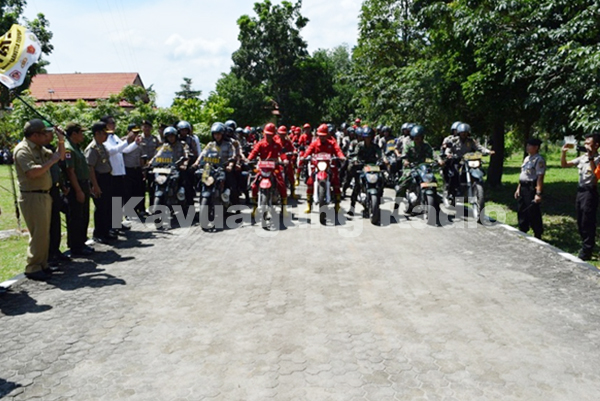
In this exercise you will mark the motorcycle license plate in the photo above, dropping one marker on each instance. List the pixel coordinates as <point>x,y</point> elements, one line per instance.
<point>161,170</point>
<point>371,169</point>
<point>429,185</point>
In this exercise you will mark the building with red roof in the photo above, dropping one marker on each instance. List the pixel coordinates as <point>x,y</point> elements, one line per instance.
<point>86,86</point>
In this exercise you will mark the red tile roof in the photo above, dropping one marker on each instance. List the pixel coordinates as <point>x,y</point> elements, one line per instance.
<point>90,87</point>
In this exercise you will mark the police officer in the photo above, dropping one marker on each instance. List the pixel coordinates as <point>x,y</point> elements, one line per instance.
<point>586,202</point>
<point>529,190</point>
<point>78,176</point>
<point>33,163</point>
<point>98,160</point>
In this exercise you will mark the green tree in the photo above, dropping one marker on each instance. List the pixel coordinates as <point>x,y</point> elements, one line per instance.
<point>271,52</point>
<point>186,91</point>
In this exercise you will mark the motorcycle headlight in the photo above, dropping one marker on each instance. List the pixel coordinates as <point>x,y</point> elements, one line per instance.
<point>428,177</point>
<point>474,163</point>
<point>265,173</point>
<point>372,178</point>
<point>209,181</point>
<point>322,166</point>
<point>160,179</point>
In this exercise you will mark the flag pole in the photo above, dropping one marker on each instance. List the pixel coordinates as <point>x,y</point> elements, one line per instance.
<point>30,107</point>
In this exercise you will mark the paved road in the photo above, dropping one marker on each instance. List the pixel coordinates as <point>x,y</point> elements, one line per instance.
<point>344,312</point>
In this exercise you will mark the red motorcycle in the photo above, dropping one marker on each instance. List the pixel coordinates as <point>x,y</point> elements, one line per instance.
<point>320,168</point>
<point>268,195</point>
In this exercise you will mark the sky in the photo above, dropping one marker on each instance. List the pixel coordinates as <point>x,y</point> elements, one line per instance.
<point>167,40</point>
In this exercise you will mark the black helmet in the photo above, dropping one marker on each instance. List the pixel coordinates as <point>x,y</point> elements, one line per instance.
<point>367,131</point>
<point>416,131</point>
<point>386,128</point>
<point>359,131</point>
<point>344,126</point>
<point>239,130</point>
<point>454,126</point>
<point>379,128</point>
<point>463,127</point>
<point>330,129</point>
<point>169,131</point>
<point>351,130</point>
<point>184,125</point>
<point>230,125</point>
<point>218,128</point>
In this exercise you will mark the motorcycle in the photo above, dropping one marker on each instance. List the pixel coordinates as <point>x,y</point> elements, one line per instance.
<point>320,166</point>
<point>212,189</point>
<point>268,195</point>
<point>168,188</point>
<point>391,174</point>
<point>371,191</point>
<point>470,182</point>
<point>421,193</point>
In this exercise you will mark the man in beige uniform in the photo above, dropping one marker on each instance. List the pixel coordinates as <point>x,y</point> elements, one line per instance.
<point>33,164</point>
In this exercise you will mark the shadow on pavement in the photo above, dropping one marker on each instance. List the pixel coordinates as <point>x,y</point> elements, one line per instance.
<point>19,303</point>
<point>6,387</point>
<point>84,274</point>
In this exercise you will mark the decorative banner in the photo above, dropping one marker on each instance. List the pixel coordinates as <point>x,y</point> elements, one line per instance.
<point>19,49</point>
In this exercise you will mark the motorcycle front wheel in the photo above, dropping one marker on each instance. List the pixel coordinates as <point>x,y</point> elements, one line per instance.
<point>433,210</point>
<point>205,213</point>
<point>322,197</point>
<point>479,204</point>
<point>375,210</point>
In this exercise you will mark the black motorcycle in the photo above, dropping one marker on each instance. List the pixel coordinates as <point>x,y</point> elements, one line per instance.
<point>466,180</point>
<point>169,188</point>
<point>213,193</point>
<point>371,191</point>
<point>421,193</point>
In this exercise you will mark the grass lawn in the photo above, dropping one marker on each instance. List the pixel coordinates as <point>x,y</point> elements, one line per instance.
<point>8,220</point>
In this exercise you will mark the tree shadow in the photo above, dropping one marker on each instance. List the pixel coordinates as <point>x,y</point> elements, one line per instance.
<point>7,387</point>
<point>19,303</point>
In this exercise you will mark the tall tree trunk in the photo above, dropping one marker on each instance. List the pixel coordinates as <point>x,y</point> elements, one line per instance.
<point>497,159</point>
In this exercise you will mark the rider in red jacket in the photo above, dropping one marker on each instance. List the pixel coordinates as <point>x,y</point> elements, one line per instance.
<point>269,149</point>
<point>288,147</point>
<point>323,144</point>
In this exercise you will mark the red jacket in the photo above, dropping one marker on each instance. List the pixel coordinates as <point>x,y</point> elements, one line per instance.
<point>266,151</point>
<point>305,139</point>
<point>286,144</point>
<point>330,146</point>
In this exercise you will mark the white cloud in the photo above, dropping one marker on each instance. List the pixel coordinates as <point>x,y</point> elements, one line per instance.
<point>166,40</point>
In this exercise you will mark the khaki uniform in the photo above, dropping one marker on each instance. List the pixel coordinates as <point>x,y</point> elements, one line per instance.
<point>35,202</point>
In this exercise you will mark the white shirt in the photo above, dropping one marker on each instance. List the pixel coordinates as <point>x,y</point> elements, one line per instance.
<point>115,148</point>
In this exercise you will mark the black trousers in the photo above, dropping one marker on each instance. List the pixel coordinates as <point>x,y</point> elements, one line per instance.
<point>103,204</point>
<point>55,229</point>
<point>529,214</point>
<point>134,187</point>
<point>78,218</point>
<point>586,205</point>
<point>117,191</point>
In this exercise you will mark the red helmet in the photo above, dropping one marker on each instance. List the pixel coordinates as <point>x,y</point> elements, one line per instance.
<point>357,121</point>
<point>323,130</point>
<point>269,129</point>
<point>307,125</point>
<point>298,130</point>
<point>282,129</point>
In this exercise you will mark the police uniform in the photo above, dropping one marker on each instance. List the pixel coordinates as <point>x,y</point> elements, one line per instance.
<point>97,157</point>
<point>35,202</point>
<point>78,216</point>
<point>528,212</point>
<point>586,204</point>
